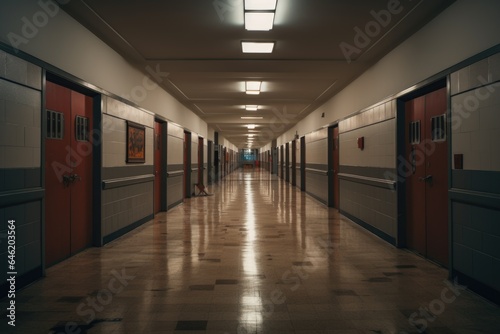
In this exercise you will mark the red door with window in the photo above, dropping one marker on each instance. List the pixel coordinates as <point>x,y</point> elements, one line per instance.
<point>68,173</point>
<point>427,183</point>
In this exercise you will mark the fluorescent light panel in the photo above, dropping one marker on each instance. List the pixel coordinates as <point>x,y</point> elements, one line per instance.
<point>257,47</point>
<point>259,21</point>
<point>260,4</point>
<point>252,117</point>
<point>252,108</point>
<point>251,126</point>
<point>253,85</point>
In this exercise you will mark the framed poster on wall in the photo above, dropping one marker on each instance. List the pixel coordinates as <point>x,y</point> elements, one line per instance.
<point>136,143</point>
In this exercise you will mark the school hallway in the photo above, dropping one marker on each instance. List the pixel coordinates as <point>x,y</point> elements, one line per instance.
<point>259,256</point>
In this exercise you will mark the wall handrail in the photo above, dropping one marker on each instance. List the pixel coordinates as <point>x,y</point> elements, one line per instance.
<point>317,171</point>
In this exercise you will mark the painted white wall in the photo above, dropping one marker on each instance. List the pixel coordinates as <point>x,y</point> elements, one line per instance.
<point>194,150</point>
<point>317,147</point>
<point>476,128</point>
<point>210,134</point>
<point>65,44</point>
<point>226,143</point>
<point>175,145</point>
<point>265,148</point>
<point>463,30</point>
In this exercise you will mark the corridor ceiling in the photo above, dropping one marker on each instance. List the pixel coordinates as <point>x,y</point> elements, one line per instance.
<point>320,47</point>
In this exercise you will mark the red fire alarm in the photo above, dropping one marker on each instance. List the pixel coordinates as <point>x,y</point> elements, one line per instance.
<point>361,143</point>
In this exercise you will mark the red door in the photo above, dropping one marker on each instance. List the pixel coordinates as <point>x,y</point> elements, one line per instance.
<point>200,161</point>
<point>158,167</point>
<point>282,160</point>
<point>436,181</point>
<point>294,162</point>
<point>226,161</point>
<point>427,184</point>
<point>187,169</point>
<point>336,159</point>
<point>68,173</point>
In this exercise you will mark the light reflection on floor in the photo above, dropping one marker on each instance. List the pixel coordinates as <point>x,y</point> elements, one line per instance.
<point>257,257</point>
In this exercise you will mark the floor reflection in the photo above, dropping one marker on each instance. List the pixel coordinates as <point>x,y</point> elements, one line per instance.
<point>259,256</point>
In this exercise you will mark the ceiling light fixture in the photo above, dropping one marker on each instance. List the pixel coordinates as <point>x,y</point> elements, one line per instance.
<point>252,117</point>
<point>257,47</point>
<point>260,4</point>
<point>253,87</point>
<point>252,108</point>
<point>251,126</point>
<point>259,21</point>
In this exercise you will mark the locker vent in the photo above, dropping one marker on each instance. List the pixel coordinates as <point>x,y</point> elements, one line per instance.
<point>438,128</point>
<point>82,128</point>
<point>55,125</point>
<point>414,133</point>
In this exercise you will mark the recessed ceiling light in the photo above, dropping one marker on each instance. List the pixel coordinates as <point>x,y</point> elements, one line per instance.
<point>252,108</point>
<point>250,135</point>
<point>251,126</point>
<point>253,85</point>
<point>259,21</point>
<point>252,117</point>
<point>260,4</point>
<point>257,47</point>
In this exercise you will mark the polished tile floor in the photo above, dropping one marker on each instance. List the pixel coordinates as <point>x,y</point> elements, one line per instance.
<point>258,256</point>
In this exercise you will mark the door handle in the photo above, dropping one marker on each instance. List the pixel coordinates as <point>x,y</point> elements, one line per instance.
<point>428,178</point>
<point>74,178</point>
<point>67,179</point>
